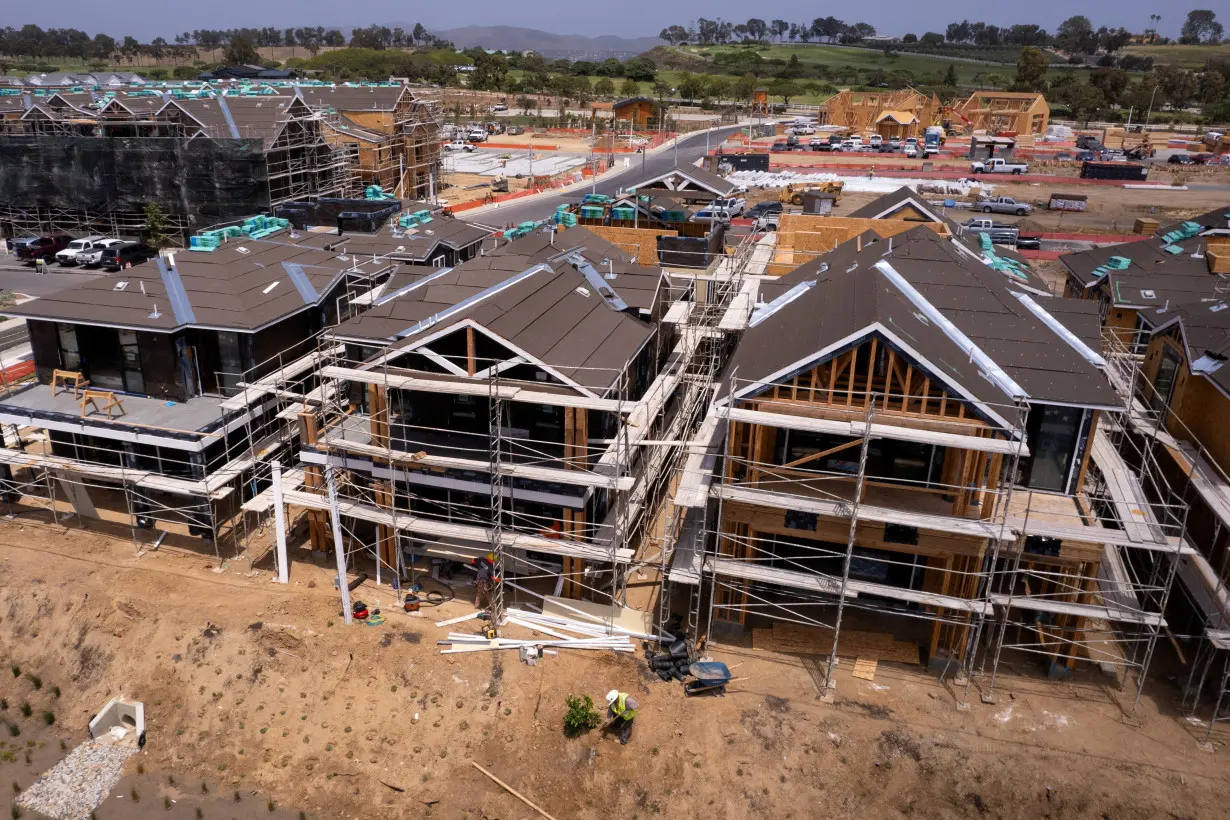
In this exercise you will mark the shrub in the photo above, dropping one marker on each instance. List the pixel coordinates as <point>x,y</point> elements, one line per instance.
<point>581,715</point>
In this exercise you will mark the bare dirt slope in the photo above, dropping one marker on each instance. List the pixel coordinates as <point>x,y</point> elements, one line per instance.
<point>252,686</point>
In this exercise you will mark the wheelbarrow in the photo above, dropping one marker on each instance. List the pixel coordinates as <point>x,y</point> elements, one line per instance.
<point>709,676</point>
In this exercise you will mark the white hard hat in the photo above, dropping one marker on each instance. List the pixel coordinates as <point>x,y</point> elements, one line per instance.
<point>611,696</point>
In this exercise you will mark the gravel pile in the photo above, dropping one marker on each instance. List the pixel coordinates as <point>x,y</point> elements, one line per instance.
<point>76,785</point>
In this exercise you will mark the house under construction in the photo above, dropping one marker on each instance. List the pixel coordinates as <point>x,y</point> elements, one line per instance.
<point>82,162</point>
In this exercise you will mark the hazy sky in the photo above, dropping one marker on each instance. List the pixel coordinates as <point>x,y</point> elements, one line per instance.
<point>150,18</point>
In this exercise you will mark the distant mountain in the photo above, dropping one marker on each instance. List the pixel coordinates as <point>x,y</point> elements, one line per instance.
<point>513,38</point>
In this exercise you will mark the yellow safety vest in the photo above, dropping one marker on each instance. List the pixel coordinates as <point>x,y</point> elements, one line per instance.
<point>620,707</point>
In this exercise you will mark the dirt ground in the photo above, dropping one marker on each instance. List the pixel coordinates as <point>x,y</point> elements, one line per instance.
<point>259,690</point>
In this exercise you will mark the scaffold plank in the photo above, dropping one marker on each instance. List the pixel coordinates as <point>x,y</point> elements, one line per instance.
<point>466,532</point>
<point>1105,612</point>
<point>693,489</point>
<point>139,478</point>
<point>251,391</point>
<point>505,392</point>
<point>555,475</point>
<point>841,509</point>
<point>889,431</point>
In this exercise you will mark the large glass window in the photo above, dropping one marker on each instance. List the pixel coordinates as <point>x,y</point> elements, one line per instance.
<point>130,354</point>
<point>70,356</point>
<point>230,361</point>
<point>1053,437</point>
<point>1163,382</point>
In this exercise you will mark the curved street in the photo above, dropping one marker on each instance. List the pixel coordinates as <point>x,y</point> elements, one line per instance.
<point>691,148</point>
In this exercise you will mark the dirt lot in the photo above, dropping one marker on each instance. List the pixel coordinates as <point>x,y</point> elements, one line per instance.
<point>256,689</point>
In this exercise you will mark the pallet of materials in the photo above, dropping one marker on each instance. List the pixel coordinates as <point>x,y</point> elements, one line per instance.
<point>1067,202</point>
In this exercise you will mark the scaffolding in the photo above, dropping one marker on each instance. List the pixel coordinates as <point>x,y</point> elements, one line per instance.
<point>993,568</point>
<point>1151,432</point>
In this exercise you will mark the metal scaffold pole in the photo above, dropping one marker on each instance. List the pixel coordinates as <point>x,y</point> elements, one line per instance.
<point>845,568</point>
<point>495,455</point>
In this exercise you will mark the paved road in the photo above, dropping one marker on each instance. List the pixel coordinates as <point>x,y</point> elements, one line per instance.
<point>643,165</point>
<point>21,279</point>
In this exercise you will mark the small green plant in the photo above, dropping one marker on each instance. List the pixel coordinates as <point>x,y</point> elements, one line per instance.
<point>302,815</point>
<point>15,812</point>
<point>4,704</point>
<point>16,787</point>
<point>36,680</point>
<point>140,768</point>
<point>272,805</point>
<point>16,670</point>
<point>199,814</point>
<point>166,803</point>
<point>170,780</point>
<point>581,715</point>
<point>55,691</point>
<point>204,787</point>
<point>14,729</point>
<point>49,717</point>
<point>238,796</point>
<point>135,795</point>
<point>26,709</point>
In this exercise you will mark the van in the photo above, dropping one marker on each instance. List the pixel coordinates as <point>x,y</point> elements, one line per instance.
<point>119,257</point>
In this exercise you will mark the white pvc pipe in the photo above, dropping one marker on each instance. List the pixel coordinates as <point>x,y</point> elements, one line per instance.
<point>338,552</point>
<point>279,524</point>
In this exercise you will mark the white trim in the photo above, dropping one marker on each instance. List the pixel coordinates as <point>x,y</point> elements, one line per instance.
<point>440,360</point>
<point>967,345</point>
<point>910,200</point>
<point>1090,355</point>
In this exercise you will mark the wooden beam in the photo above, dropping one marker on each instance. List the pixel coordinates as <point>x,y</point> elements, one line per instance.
<point>822,454</point>
<point>471,365</point>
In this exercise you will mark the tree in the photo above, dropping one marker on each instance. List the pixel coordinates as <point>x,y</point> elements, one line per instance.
<point>1085,100</point>
<point>785,89</point>
<point>792,70</point>
<point>745,87</point>
<point>629,88</point>
<point>526,103</point>
<point>1112,82</point>
<point>690,85</point>
<point>932,38</point>
<point>1177,85</point>
<point>640,69</point>
<point>910,38</point>
<point>156,226</point>
<point>604,87</point>
<point>1075,35</point>
<point>1031,70</point>
<point>779,29</point>
<point>240,51</point>
<point>1111,40</point>
<point>675,35</point>
<point>720,88</point>
<point>950,76</point>
<point>756,28</point>
<point>1201,26</point>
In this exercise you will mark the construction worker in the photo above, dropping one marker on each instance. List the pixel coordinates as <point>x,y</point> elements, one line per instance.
<point>484,581</point>
<point>621,710</point>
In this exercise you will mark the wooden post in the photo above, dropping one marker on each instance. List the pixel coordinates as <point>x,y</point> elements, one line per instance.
<point>471,366</point>
<point>313,480</point>
<point>382,491</point>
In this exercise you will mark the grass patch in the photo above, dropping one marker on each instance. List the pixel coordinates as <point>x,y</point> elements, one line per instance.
<point>36,680</point>
<point>49,717</point>
<point>25,709</point>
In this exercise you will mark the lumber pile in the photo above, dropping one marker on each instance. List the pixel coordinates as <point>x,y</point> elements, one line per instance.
<point>793,639</point>
<point>559,632</point>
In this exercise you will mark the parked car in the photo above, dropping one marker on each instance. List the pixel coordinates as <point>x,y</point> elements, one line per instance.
<point>734,206</point>
<point>875,140</point>
<point>912,141</point>
<point>762,208</point>
<point>92,257</point>
<point>910,150</point>
<point>712,215</point>
<point>894,142</point>
<point>459,145</point>
<point>69,255</point>
<point>499,107</point>
<point>1181,159</point>
<point>767,222</point>
<point>779,146</point>
<point>42,247</point>
<point>998,165</point>
<point>119,257</point>
<point>1063,156</point>
<point>1204,158</point>
<point>477,134</point>
<point>1027,243</point>
<point>514,130</point>
<point>1004,205</point>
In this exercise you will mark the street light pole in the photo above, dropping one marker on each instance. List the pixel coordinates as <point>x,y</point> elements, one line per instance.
<point>1151,96</point>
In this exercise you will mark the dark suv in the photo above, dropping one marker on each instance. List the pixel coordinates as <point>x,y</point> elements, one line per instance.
<point>119,257</point>
<point>42,247</point>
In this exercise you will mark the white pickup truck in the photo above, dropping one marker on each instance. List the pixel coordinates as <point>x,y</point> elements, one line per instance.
<point>998,166</point>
